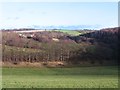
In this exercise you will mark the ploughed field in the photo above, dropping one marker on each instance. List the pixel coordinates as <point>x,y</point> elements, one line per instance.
<point>76,77</point>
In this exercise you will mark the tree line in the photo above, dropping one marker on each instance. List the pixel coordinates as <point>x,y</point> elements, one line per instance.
<point>92,47</point>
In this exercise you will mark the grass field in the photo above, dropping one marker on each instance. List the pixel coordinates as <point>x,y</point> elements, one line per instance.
<point>77,77</point>
<point>70,32</point>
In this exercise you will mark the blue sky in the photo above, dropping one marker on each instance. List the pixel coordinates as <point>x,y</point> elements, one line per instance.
<point>23,14</point>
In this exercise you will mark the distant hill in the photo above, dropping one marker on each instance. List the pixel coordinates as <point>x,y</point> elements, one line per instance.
<point>68,27</point>
<point>89,47</point>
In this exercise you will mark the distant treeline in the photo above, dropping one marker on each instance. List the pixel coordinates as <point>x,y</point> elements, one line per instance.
<point>93,47</point>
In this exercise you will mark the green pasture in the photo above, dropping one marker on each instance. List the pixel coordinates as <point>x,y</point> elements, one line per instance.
<point>70,32</point>
<point>76,77</point>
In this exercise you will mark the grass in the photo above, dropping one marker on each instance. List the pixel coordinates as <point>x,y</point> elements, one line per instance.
<point>70,32</point>
<point>77,77</point>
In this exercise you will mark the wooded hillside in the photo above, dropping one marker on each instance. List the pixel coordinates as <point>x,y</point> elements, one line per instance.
<point>90,47</point>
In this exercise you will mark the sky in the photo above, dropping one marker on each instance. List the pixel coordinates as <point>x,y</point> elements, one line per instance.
<point>23,14</point>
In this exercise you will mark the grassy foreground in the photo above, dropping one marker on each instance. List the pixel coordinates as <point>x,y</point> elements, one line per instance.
<point>77,77</point>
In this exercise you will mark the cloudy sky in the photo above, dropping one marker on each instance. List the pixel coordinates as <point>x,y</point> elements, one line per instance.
<point>23,14</point>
